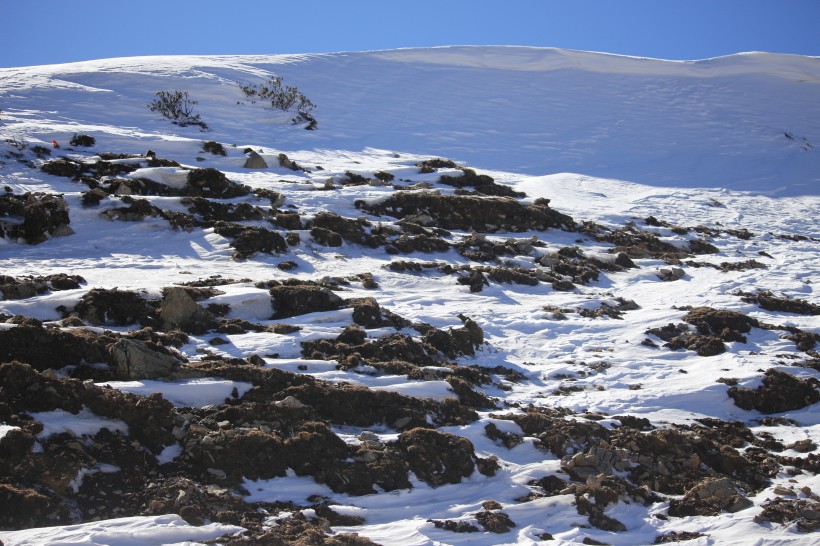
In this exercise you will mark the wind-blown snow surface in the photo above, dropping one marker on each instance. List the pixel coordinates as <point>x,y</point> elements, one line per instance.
<point>745,122</point>
<point>727,143</point>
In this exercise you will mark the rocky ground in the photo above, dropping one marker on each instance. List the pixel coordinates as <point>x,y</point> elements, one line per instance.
<point>452,225</point>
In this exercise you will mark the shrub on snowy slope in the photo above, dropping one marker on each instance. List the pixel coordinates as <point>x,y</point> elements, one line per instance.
<point>282,97</point>
<point>178,107</point>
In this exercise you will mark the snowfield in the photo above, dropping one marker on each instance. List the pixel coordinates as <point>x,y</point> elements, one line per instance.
<point>505,295</point>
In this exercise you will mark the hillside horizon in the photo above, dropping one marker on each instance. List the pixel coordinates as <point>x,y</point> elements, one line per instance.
<point>707,123</point>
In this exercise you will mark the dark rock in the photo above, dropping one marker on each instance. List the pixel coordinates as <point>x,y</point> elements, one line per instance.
<point>135,359</point>
<point>288,164</point>
<point>475,280</point>
<point>179,310</point>
<point>508,439</point>
<point>671,274</point>
<point>255,161</point>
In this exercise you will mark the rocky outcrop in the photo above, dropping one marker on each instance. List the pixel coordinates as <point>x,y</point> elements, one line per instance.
<point>179,310</point>
<point>255,161</point>
<point>135,359</point>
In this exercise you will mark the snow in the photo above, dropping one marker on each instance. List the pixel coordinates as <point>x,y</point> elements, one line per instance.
<point>5,429</point>
<point>84,423</point>
<point>193,393</point>
<point>167,530</point>
<point>606,138</point>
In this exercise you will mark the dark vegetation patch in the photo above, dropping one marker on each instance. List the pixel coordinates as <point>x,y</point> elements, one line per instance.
<point>292,300</point>
<point>482,184</point>
<point>33,218</point>
<point>251,240</point>
<point>470,213</point>
<point>432,165</point>
<point>805,513</point>
<point>495,521</point>
<point>213,184</point>
<point>713,327</point>
<point>673,460</point>
<point>281,423</point>
<point>730,266</point>
<point>635,243</point>
<point>454,526</point>
<point>80,139</point>
<point>780,392</point>
<point>285,420</point>
<point>677,536</point>
<point>214,148</point>
<point>15,288</point>
<point>213,211</point>
<point>83,349</point>
<point>768,301</point>
<point>102,307</point>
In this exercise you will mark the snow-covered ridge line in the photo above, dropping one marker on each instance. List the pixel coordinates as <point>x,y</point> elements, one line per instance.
<point>548,59</point>
<point>517,58</point>
<point>744,122</point>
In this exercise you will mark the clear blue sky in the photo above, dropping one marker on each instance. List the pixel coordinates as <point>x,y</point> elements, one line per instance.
<point>58,31</point>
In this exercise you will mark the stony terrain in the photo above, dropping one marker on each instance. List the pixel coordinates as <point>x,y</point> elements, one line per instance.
<point>479,236</point>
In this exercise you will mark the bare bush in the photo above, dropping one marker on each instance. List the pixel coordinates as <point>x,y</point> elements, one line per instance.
<point>178,107</point>
<point>279,96</point>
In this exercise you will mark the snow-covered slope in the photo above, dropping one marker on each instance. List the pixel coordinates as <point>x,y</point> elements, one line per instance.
<point>745,122</point>
<point>645,368</point>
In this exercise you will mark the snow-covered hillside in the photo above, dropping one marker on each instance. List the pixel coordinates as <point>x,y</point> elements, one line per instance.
<point>744,122</point>
<point>501,295</point>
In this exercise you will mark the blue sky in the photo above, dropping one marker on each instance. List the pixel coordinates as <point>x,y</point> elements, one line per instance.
<point>56,31</point>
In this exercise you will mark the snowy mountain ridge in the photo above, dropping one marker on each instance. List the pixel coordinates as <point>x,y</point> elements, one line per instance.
<point>707,123</point>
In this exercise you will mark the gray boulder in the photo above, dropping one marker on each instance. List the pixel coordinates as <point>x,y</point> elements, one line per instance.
<point>134,359</point>
<point>255,161</point>
<point>179,310</point>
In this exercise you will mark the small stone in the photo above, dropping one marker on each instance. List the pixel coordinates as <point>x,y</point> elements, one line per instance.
<point>290,402</point>
<point>217,473</point>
